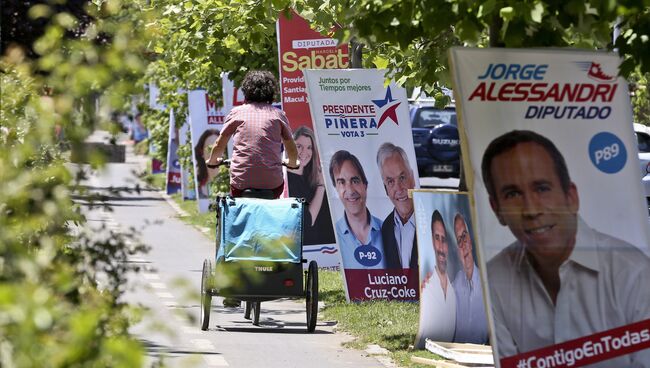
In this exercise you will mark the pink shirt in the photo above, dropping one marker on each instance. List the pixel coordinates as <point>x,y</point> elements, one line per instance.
<point>258,129</point>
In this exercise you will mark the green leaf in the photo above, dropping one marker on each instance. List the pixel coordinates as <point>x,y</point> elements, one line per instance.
<point>230,41</point>
<point>467,31</point>
<point>39,11</point>
<point>537,12</point>
<point>486,8</point>
<point>66,20</point>
<point>380,62</point>
<point>626,67</point>
<point>507,13</point>
<point>575,7</point>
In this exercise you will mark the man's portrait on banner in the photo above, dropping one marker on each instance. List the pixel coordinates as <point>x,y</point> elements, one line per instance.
<point>560,279</point>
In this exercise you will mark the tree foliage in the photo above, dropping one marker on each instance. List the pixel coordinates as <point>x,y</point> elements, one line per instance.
<point>641,97</point>
<point>58,57</point>
<point>200,39</point>
<point>52,311</point>
<point>411,39</point>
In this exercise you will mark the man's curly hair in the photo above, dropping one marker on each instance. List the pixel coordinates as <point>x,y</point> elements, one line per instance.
<point>259,86</point>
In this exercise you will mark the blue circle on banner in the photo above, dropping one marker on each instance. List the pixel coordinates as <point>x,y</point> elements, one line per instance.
<point>367,255</point>
<point>607,152</point>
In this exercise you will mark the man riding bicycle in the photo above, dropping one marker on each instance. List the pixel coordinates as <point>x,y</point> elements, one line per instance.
<point>259,130</point>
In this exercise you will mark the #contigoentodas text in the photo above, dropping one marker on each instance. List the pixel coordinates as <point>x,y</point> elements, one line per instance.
<point>590,349</point>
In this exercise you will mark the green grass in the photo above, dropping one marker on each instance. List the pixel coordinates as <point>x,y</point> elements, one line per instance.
<point>142,147</point>
<point>391,325</point>
<point>157,181</point>
<point>208,219</point>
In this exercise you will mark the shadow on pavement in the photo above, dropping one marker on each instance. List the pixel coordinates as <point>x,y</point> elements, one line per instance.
<point>158,350</point>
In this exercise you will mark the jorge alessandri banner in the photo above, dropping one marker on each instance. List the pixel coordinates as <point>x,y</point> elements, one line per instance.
<point>562,223</point>
<point>368,161</point>
<point>451,296</point>
<point>206,120</point>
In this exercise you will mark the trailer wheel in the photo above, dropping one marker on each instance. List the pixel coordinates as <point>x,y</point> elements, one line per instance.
<point>247,310</point>
<point>311,294</point>
<point>206,293</point>
<point>256,313</point>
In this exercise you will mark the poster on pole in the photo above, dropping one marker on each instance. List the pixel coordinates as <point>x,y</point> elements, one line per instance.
<point>367,155</point>
<point>232,96</point>
<point>187,182</point>
<point>173,169</point>
<point>562,223</point>
<point>452,307</point>
<point>157,166</point>
<point>205,120</point>
<point>301,47</point>
<point>154,98</point>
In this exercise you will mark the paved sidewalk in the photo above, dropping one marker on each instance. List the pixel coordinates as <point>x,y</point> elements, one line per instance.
<point>168,287</point>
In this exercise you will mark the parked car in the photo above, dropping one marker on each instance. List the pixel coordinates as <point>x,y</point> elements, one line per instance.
<point>642,133</point>
<point>435,137</point>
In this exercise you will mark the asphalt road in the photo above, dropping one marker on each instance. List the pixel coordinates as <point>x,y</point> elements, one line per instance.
<point>168,289</point>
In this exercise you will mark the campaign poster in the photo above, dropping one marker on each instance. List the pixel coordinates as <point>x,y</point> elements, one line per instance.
<point>368,160</point>
<point>173,169</point>
<point>154,98</point>
<point>232,96</point>
<point>187,181</point>
<point>205,120</point>
<point>301,47</point>
<point>562,221</point>
<point>157,166</point>
<point>452,307</point>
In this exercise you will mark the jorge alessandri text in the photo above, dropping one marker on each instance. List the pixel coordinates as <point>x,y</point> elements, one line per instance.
<point>515,71</point>
<point>604,346</point>
<point>527,84</point>
<point>542,92</point>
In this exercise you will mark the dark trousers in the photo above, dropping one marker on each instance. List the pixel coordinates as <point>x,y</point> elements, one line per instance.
<point>277,192</point>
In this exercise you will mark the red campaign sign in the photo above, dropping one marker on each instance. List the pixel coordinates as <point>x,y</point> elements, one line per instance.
<point>386,284</point>
<point>174,178</point>
<point>587,349</point>
<point>237,97</point>
<point>300,47</point>
<point>215,114</point>
<point>157,166</point>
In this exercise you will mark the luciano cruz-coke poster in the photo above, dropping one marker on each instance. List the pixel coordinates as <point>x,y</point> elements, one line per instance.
<point>363,131</point>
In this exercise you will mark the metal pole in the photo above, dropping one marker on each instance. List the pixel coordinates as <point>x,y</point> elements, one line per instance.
<point>356,54</point>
